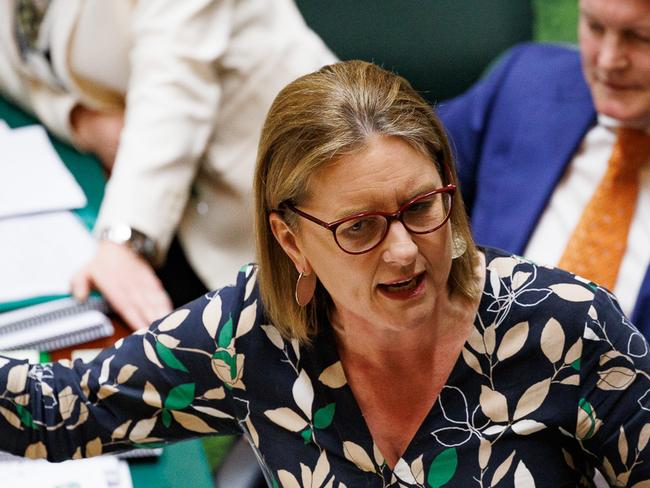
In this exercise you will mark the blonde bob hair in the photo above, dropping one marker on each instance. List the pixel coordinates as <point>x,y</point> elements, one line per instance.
<point>312,122</point>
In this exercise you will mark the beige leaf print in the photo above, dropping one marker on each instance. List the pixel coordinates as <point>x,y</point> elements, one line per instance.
<point>254,436</point>
<point>622,445</point>
<point>83,384</point>
<point>403,472</point>
<point>333,376</point>
<point>286,418</point>
<point>519,279</point>
<point>274,336</point>
<point>574,352</point>
<point>355,453</point>
<point>168,341</point>
<point>81,418</point>
<point>250,284</point>
<point>321,471</point>
<point>489,338</point>
<point>246,319</point>
<point>608,356</point>
<point>215,394</point>
<point>552,340</point>
<point>94,447</point>
<point>616,378</point>
<point>475,339</point>
<point>192,422</point>
<point>11,417</point>
<point>503,468</point>
<point>22,399</point>
<point>150,353</point>
<point>493,404</point>
<point>212,316</point>
<point>532,398</point>
<point>121,429</point>
<point>484,453</point>
<point>303,393</point>
<point>126,372</point>
<point>572,293</point>
<point>150,396</point>
<point>106,365</point>
<point>643,437</point>
<point>173,320</point>
<point>142,429</point>
<point>523,478</point>
<point>527,427</point>
<point>212,412</point>
<point>287,480</point>
<point>17,378</point>
<point>471,360</point>
<point>513,341</point>
<point>642,484</point>
<point>305,474</point>
<point>609,470</point>
<point>106,390</point>
<point>67,402</point>
<point>417,468</point>
<point>573,380</point>
<point>36,451</point>
<point>379,457</point>
<point>503,266</point>
<point>568,459</point>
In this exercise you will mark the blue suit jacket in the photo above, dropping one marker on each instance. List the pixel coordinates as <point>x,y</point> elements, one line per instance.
<point>513,134</point>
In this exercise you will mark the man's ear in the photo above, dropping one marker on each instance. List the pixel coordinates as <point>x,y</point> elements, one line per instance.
<point>287,239</point>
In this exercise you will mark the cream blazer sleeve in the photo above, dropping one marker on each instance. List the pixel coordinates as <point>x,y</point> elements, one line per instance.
<point>171,104</point>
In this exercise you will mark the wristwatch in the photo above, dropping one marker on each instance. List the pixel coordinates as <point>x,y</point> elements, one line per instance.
<point>143,245</point>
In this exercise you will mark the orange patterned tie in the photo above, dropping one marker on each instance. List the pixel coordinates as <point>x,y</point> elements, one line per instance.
<point>597,245</point>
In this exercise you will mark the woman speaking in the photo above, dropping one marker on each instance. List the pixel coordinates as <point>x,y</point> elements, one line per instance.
<point>373,344</point>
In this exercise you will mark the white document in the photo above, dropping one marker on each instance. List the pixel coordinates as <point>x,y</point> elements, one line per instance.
<point>4,127</point>
<point>99,472</point>
<point>40,253</point>
<point>32,176</point>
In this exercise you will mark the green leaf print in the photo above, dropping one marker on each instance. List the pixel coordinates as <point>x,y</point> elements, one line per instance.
<point>576,364</point>
<point>585,406</point>
<point>225,336</point>
<point>324,416</point>
<point>166,418</point>
<point>180,396</point>
<point>443,468</point>
<point>168,357</point>
<point>25,416</point>
<point>306,435</point>
<point>229,360</point>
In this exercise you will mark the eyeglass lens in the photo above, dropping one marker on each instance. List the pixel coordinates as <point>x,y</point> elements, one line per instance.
<point>421,216</point>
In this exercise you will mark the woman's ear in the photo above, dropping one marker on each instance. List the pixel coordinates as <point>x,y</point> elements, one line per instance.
<point>287,239</point>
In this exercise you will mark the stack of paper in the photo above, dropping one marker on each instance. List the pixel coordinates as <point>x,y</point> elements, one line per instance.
<point>42,243</point>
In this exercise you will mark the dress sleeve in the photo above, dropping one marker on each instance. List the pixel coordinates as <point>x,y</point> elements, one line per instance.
<point>171,106</point>
<point>179,378</point>
<point>613,415</point>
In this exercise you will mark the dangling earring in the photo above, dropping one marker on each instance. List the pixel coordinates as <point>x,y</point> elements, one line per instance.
<point>459,245</point>
<point>305,287</point>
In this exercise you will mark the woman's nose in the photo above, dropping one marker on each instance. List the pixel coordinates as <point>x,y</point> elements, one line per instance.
<point>400,247</point>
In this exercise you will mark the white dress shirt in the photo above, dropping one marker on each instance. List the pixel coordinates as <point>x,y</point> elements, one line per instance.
<point>571,196</point>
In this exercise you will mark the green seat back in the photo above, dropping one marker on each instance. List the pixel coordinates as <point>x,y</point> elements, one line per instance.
<point>440,46</point>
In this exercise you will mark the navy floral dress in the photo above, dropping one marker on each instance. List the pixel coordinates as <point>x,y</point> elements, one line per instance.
<point>552,382</point>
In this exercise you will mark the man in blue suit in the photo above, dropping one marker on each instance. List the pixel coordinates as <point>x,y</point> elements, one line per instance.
<point>533,139</point>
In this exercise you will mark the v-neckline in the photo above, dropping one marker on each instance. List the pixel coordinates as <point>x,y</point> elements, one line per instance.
<point>354,414</point>
<point>331,356</point>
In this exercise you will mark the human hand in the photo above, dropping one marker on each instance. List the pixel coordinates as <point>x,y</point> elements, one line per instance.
<point>97,132</point>
<point>127,281</point>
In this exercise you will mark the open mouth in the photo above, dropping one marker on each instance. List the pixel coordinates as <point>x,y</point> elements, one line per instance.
<point>403,286</point>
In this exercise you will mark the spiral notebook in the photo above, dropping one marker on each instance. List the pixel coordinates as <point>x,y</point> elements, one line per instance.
<point>55,325</point>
